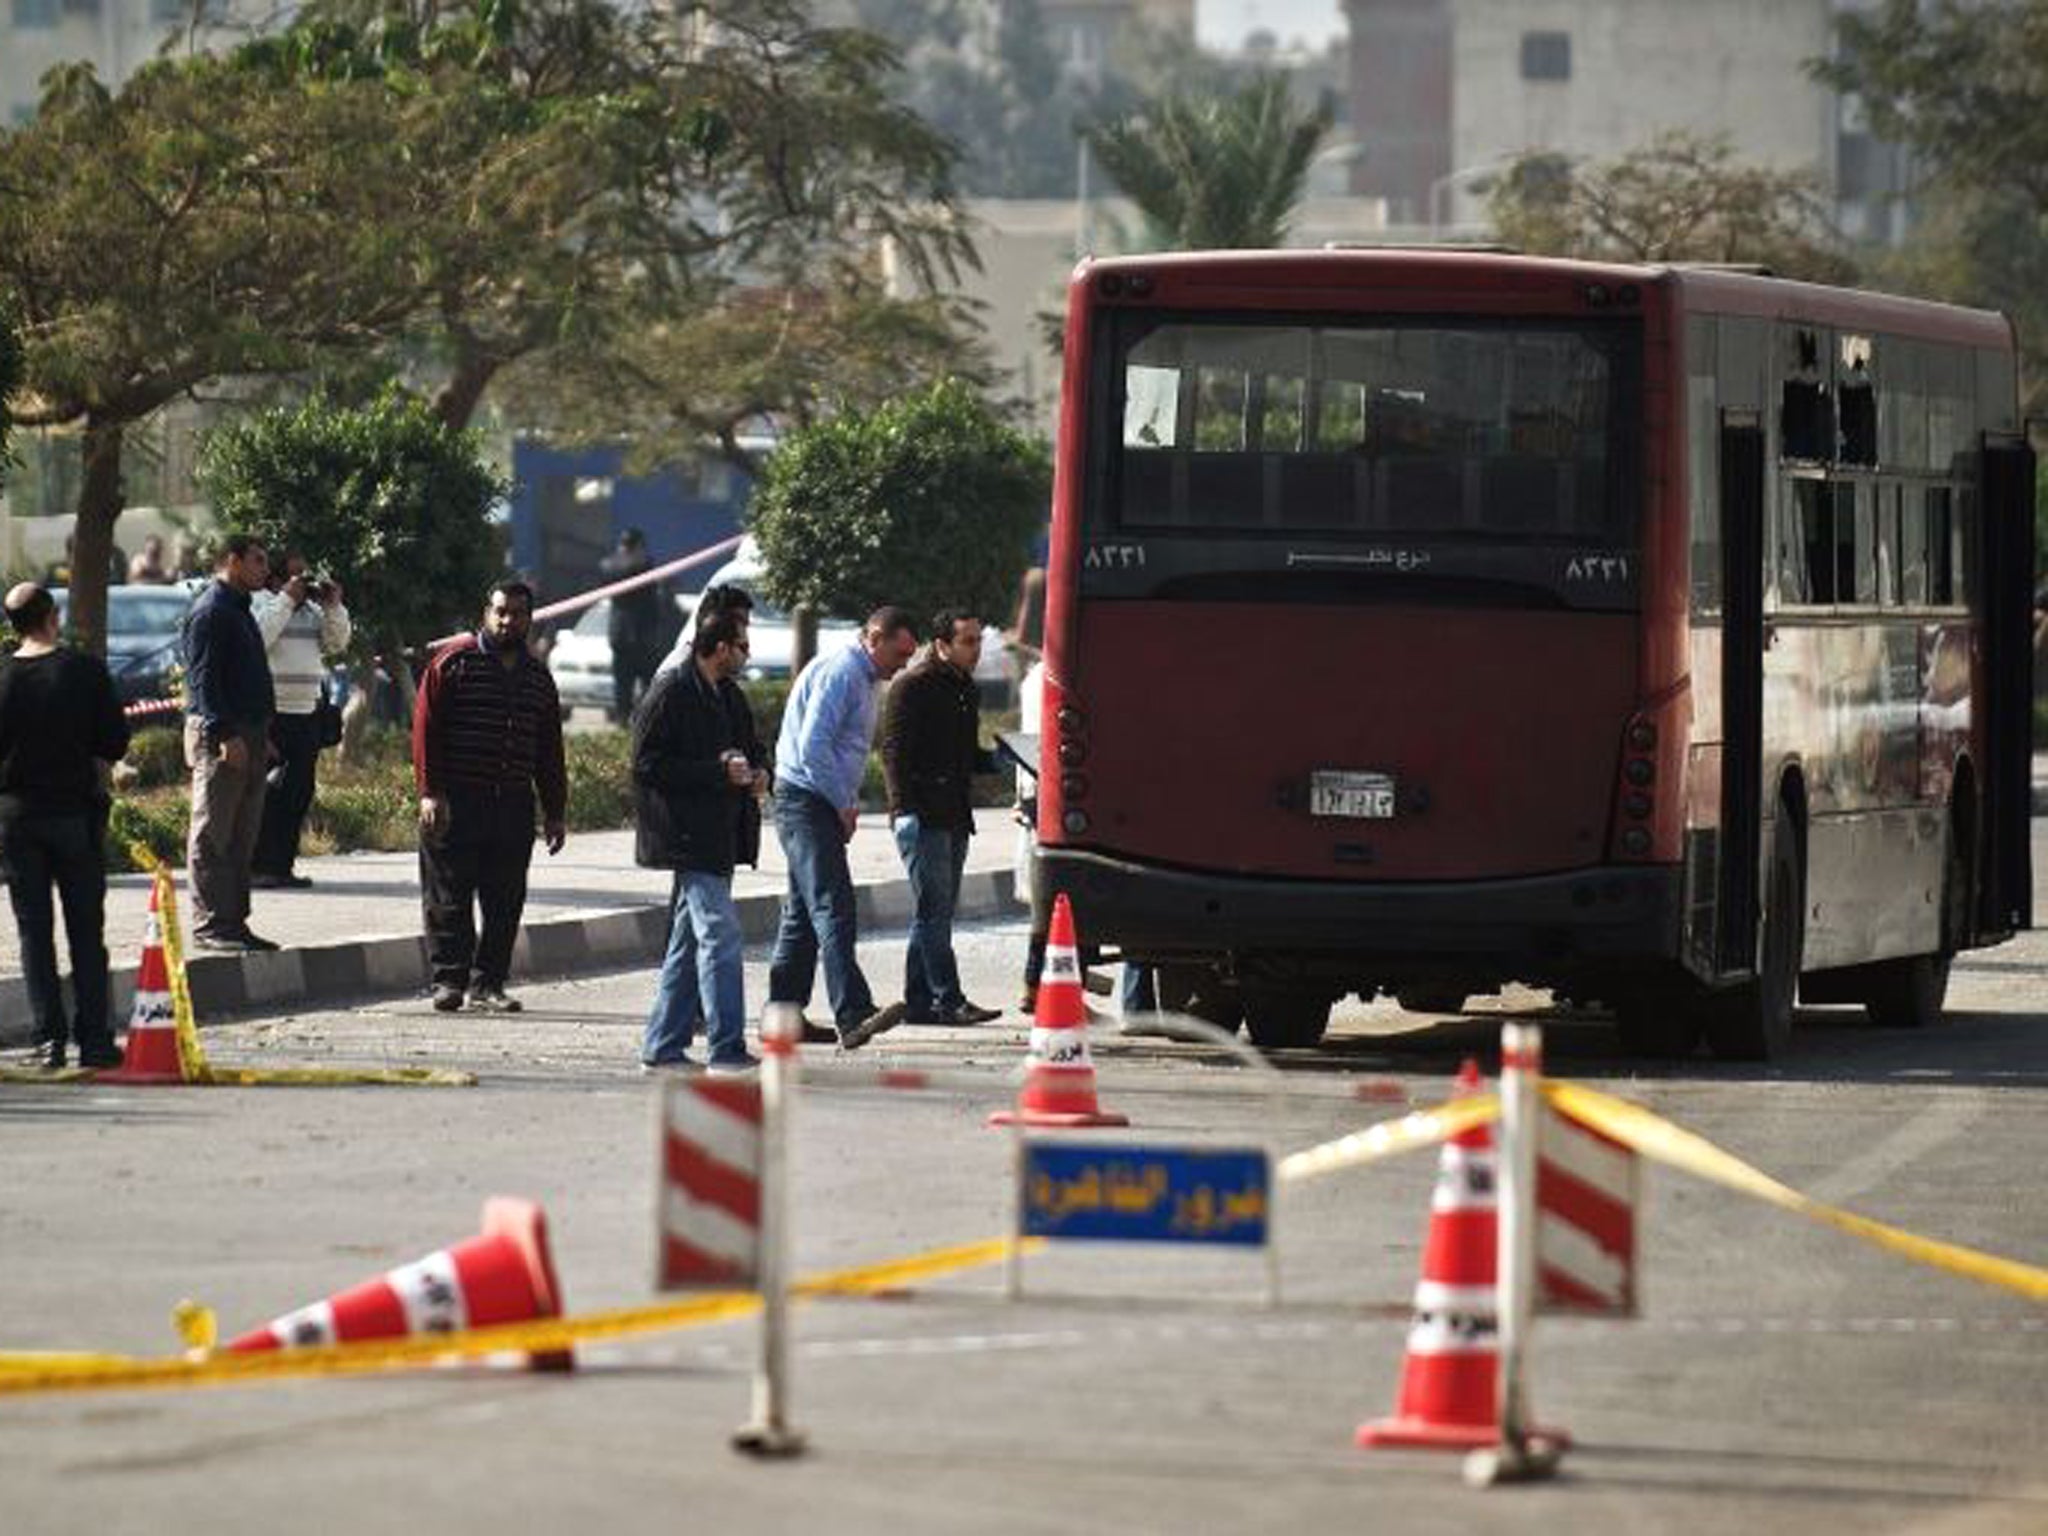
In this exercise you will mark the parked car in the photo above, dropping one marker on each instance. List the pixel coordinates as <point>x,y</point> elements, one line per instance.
<point>144,627</point>
<point>581,660</point>
<point>773,637</point>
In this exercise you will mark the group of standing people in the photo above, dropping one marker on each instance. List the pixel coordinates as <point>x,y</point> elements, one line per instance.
<point>700,778</point>
<point>252,647</point>
<point>254,703</point>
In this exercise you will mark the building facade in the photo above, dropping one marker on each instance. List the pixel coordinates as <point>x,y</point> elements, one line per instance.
<point>1445,92</point>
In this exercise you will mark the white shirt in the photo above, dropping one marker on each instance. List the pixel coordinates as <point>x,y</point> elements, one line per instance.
<point>295,640</point>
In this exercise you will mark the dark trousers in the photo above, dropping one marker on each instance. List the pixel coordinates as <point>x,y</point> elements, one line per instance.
<point>290,794</point>
<point>632,667</point>
<point>476,861</point>
<point>64,851</point>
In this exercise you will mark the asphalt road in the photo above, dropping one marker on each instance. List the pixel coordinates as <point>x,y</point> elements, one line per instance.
<point>1782,1377</point>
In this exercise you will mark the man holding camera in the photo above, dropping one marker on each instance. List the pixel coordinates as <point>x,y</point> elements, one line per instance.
<point>302,620</point>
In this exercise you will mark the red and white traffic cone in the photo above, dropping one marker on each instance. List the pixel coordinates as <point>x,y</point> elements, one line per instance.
<point>151,1054</point>
<point>503,1276</point>
<point>1450,1379</point>
<point>1059,1076</point>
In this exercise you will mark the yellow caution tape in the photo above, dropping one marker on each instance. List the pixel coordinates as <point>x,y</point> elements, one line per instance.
<point>32,1373</point>
<point>1423,1128</point>
<point>1634,1126</point>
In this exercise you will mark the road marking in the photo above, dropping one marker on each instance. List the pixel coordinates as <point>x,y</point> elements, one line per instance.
<point>1941,1122</point>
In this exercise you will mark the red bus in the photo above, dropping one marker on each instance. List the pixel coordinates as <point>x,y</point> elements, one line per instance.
<point>1420,621</point>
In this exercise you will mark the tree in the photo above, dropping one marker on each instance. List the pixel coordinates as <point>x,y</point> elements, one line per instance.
<point>174,233</point>
<point>386,498</point>
<point>929,501</point>
<point>791,356</point>
<point>598,168</point>
<point>1965,88</point>
<point>1680,198</point>
<point>1211,172</point>
<point>10,381</point>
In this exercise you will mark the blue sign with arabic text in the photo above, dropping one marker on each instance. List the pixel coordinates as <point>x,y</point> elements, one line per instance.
<point>1146,1194</point>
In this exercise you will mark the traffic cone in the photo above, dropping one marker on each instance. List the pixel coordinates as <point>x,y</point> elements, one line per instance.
<point>151,1054</point>
<point>1450,1380</point>
<point>1059,1077</point>
<point>503,1276</point>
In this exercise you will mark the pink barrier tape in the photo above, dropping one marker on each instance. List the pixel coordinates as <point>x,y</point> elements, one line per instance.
<point>583,600</point>
<point>152,706</point>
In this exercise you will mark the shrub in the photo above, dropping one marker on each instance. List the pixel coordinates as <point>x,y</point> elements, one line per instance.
<point>157,819</point>
<point>156,753</point>
<point>365,813</point>
<point>600,780</point>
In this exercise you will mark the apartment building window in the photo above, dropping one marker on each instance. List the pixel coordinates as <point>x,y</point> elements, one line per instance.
<point>37,13</point>
<point>1546,55</point>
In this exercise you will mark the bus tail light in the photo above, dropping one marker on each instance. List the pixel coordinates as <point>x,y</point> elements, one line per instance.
<point>1065,787</point>
<point>1635,797</point>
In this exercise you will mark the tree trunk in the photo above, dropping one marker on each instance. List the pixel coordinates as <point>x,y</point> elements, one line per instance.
<point>401,674</point>
<point>92,534</point>
<point>464,391</point>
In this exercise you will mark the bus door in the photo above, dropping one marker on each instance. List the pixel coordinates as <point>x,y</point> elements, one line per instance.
<point>1742,687</point>
<point>2006,580</point>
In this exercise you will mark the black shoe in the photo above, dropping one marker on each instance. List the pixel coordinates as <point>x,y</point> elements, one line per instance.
<point>269,882</point>
<point>493,1000</point>
<point>881,1021</point>
<point>956,1018</point>
<point>100,1056</point>
<point>447,999</point>
<point>256,944</point>
<point>48,1056</point>
<point>220,943</point>
<point>817,1034</point>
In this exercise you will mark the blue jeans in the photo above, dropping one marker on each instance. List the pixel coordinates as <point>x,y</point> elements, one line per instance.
<point>702,980</point>
<point>933,857</point>
<point>1138,990</point>
<point>817,911</point>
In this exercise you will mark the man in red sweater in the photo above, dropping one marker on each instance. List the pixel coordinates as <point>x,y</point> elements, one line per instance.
<point>486,741</point>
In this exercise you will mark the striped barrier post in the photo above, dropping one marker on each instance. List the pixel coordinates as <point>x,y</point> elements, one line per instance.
<point>1523,1454</point>
<point>769,1432</point>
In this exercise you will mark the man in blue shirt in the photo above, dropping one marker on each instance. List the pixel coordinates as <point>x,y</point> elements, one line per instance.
<point>228,704</point>
<point>820,758</point>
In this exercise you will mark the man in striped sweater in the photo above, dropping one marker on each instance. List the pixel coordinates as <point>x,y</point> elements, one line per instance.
<point>301,620</point>
<point>486,740</point>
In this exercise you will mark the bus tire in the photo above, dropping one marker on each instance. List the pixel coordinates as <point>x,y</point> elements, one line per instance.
<point>1201,992</point>
<point>1908,993</point>
<point>1286,1018</point>
<point>1753,1022</point>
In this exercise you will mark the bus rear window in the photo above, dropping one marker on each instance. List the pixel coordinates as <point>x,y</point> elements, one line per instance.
<point>1428,428</point>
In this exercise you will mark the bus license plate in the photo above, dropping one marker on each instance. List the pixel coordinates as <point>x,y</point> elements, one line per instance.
<point>1338,792</point>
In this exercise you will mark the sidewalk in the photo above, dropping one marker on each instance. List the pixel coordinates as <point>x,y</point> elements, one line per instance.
<point>356,932</point>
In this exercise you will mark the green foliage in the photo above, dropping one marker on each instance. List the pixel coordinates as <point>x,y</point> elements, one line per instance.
<point>1214,171</point>
<point>1679,198</point>
<point>369,811</point>
<point>386,499</point>
<point>156,755</point>
<point>600,780</point>
<point>10,379</point>
<point>156,820</point>
<point>929,501</point>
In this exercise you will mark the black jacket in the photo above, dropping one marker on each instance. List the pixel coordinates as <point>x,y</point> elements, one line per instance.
<point>930,750</point>
<point>687,813</point>
<point>227,668</point>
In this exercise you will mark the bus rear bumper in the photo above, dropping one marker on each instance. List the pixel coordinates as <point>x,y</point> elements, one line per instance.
<point>1604,914</point>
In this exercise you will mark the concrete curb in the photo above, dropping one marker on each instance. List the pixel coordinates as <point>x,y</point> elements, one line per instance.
<point>317,975</point>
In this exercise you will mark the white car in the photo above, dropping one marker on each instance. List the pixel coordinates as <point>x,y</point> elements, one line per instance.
<point>774,638</point>
<point>582,660</point>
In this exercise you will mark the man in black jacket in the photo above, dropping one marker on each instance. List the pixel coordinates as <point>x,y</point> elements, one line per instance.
<point>930,753</point>
<point>59,725</point>
<point>698,776</point>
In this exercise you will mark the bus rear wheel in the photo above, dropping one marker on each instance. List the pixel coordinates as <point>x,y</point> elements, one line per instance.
<point>1753,1022</point>
<point>1201,992</point>
<point>1284,1018</point>
<point>1660,1027</point>
<point>1424,998</point>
